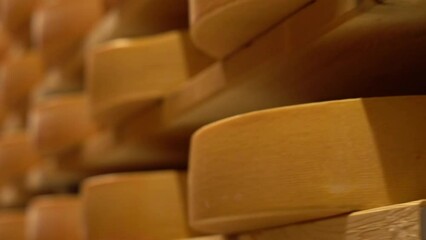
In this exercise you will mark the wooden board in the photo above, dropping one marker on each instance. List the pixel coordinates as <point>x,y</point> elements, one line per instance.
<point>12,225</point>
<point>60,123</point>
<point>309,57</point>
<point>53,217</point>
<point>154,66</point>
<point>278,166</point>
<point>133,18</point>
<point>132,206</point>
<point>219,27</point>
<point>395,222</point>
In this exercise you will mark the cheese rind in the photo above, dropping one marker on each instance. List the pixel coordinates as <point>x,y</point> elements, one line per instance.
<point>55,217</point>
<point>315,160</point>
<point>148,205</point>
<point>154,66</point>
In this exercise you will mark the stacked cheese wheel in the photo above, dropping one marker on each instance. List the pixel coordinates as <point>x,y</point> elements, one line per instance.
<point>212,119</point>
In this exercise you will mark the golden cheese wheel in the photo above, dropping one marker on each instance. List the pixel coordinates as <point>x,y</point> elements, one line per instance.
<point>16,16</point>
<point>219,27</point>
<point>19,76</point>
<point>132,18</point>
<point>60,123</point>
<point>298,163</point>
<point>17,155</point>
<point>12,225</point>
<point>147,205</point>
<point>153,67</point>
<point>53,217</point>
<point>314,63</point>
<point>58,27</point>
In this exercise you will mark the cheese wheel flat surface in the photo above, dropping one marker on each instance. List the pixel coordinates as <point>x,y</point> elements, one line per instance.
<point>219,27</point>
<point>154,66</point>
<point>60,123</point>
<point>299,163</point>
<point>58,27</point>
<point>12,225</point>
<point>53,217</point>
<point>135,18</point>
<point>149,205</point>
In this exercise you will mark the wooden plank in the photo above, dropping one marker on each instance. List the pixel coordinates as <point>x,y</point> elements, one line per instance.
<point>219,27</point>
<point>395,222</point>
<point>132,206</point>
<point>306,162</point>
<point>154,66</point>
<point>55,217</point>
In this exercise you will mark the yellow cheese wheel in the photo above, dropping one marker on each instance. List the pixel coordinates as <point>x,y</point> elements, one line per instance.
<point>54,217</point>
<point>307,58</point>
<point>298,163</point>
<point>17,155</point>
<point>219,27</point>
<point>19,76</point>
<point>131,18</point>
<point>59,26</point>
<point>16,15</point>
<point>12,225</point>
<point>60,123</point>
<point>153,66</point>
<point>149,205</point>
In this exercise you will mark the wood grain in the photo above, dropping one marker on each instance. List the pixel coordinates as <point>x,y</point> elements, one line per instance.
<point>294,152</point>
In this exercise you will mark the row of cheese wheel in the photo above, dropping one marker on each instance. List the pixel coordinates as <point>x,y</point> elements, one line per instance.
<point>267,169</point>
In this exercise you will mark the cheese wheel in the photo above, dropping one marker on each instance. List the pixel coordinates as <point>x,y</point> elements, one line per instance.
<point>17,155</point>
<point>16,15</point>
<point>19,76</point>
<point>12,225</point>
<point>154,66</point>
<point>60,123</point>
<point>219,27</point>
<point>299,163</point>
<point>131,18</point>
<point>148,205</point>
<point>54,217</point>
<point>303,68</point>
<point>59,26</point>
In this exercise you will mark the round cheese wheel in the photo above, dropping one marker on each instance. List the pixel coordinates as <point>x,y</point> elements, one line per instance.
<point>54,217</point>
<point>131,18</point>
<point>149,205</point>
<point>17,155</point>
<point>12,225</point>
<point>298,163</point>
<point>153,67</point>
<point>58,27</point>
<point>19,76</point>
<point>219,27</point>
<point>60,123</point>
<point>16,16</point>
